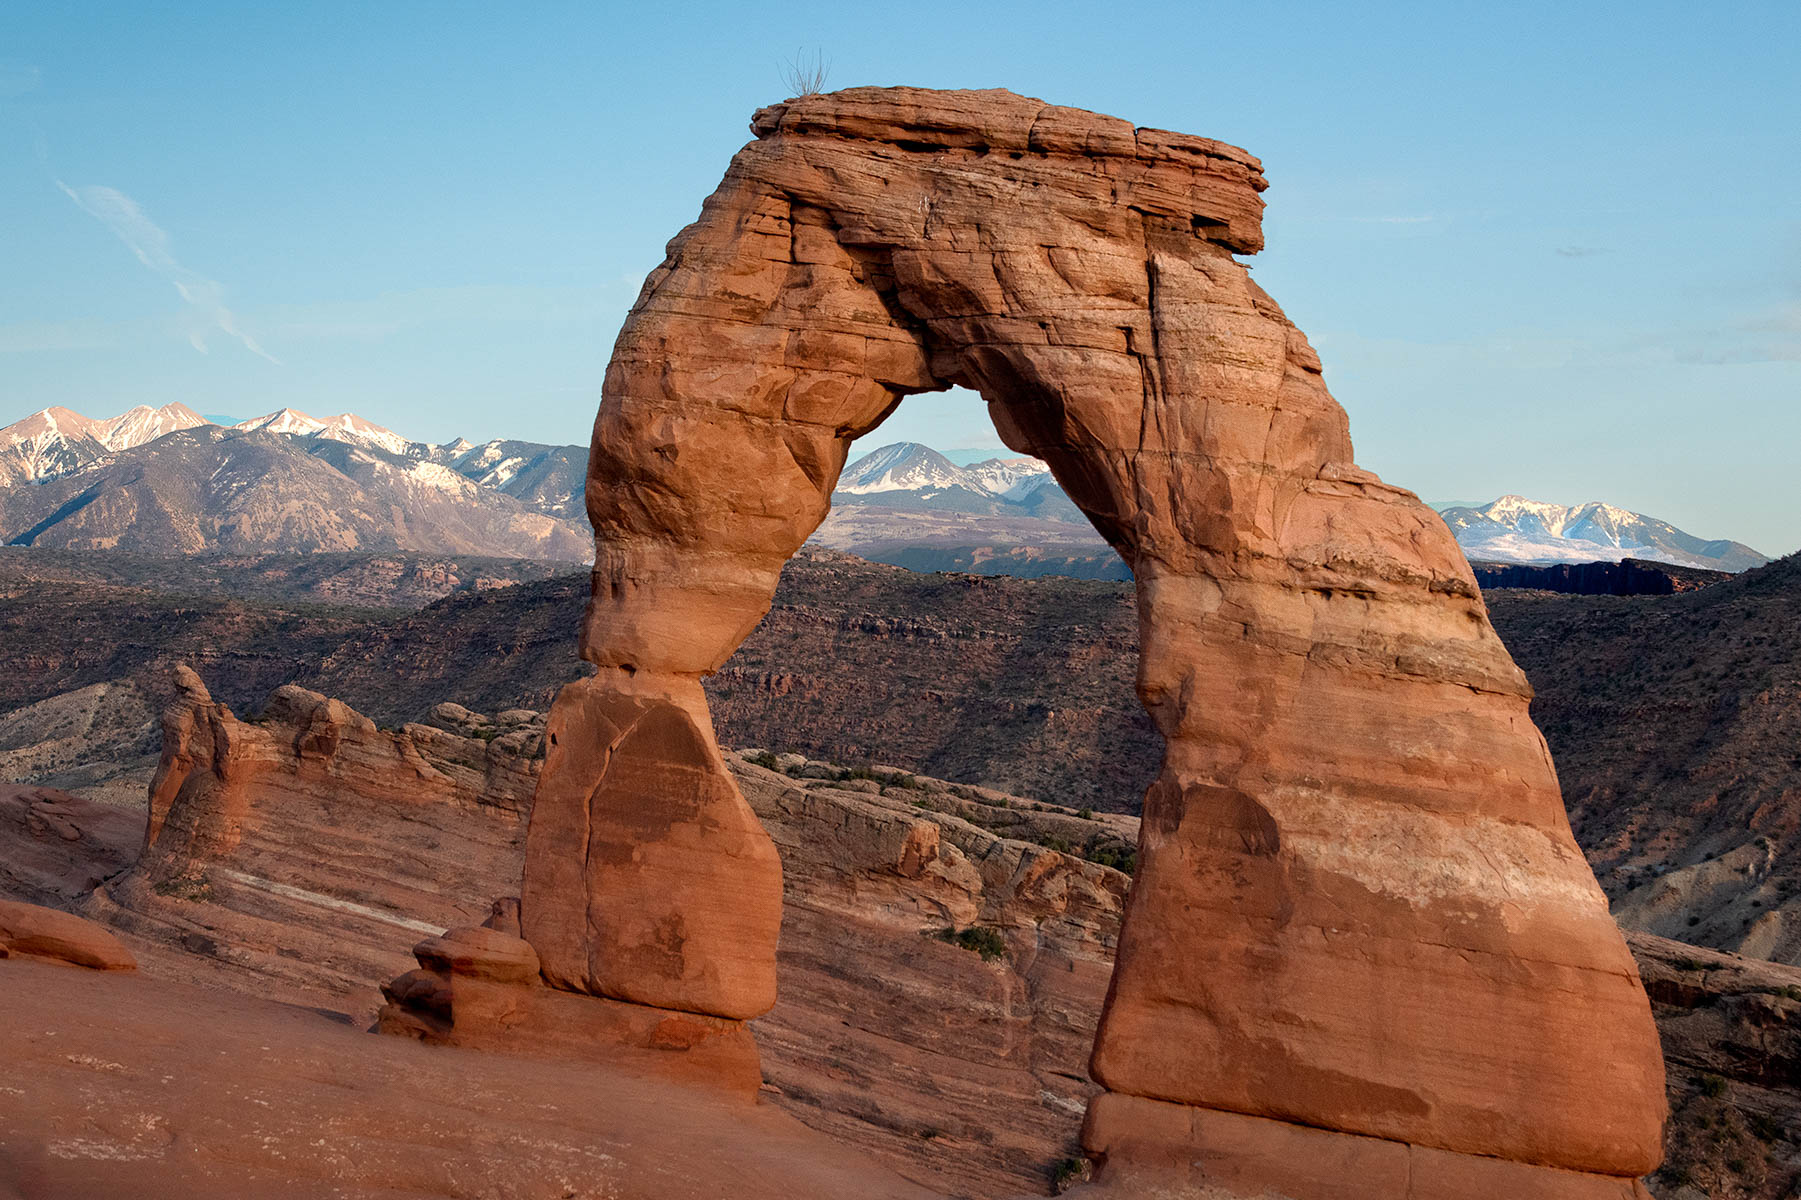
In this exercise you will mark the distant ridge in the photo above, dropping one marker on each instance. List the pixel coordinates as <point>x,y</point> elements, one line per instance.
<point>911,506</point>
<point>169,481</point>
<point>1518,530</point>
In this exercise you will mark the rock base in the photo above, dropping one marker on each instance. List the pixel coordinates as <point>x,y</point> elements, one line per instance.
<point>1154,1149</point>
<point>479,988</point>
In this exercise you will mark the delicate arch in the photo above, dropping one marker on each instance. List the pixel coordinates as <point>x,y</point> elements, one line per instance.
<point>1359,906</point>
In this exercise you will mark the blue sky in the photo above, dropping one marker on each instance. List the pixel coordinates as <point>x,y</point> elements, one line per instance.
<point>1553,250</point>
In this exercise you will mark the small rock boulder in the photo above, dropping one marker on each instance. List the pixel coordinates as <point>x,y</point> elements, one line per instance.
<point>26,930</point>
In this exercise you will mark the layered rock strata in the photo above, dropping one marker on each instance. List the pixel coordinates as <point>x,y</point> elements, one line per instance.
<point>1359,906</point>
<point>420,823</point>
<point>942,966</point>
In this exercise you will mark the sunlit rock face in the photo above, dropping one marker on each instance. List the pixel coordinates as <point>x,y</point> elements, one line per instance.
<point>1359,908</point>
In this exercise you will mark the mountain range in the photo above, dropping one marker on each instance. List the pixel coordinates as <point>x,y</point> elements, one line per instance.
<point>909,505</point>
<point>168,481</point>
<point>1515,529</point>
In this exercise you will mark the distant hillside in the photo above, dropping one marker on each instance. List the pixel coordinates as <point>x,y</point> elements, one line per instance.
<point>166,481</point>
<point>1676,725</point>
<point>57,441</point>
<point>1675,720</point>
<point>1024,685</point>
<point>907,505</point>
<point>1515,529</point>
<point>208,488</point>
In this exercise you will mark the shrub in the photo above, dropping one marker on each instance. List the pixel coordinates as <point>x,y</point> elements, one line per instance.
<point>1118,857</point>
<point>977,939</point>
<point>1087,814</point>
<point>1069,1173</point>
<point>1713,1086</point>
<point>803,77</point>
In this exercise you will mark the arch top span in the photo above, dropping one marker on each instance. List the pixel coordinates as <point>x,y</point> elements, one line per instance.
<point>1359,907</point>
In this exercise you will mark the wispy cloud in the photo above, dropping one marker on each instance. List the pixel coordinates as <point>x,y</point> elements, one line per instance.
<point>150,244</point>
<point>1580,251</point>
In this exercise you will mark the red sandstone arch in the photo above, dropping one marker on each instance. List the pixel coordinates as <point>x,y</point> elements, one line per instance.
<point>1359,907</point>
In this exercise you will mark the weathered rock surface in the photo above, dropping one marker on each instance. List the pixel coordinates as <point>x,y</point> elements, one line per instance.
<point>1675,720</point>
<point>122,1085</point>
<point>941,968</point>
<point>1359,906</point>
<point>674,895</point>
<point>27,930</point>
<point>59,846</point>
<point>422,822</point>
<point>1731,1030</point>
<point>479,987</point>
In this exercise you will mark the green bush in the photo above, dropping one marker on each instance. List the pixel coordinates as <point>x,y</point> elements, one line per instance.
<point>1068,1173</point>
<point>1118,857</point>
<point>977,939</point>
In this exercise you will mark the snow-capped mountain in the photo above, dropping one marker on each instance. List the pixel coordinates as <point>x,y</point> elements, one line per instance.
<point>911,467</point>
<point>1515,529</point>
<point>345,427</point>
<point>56,441</point>
<point>54,455</point>
<point>909,505</point>
<point>145,424</point>
<point>167,481</point>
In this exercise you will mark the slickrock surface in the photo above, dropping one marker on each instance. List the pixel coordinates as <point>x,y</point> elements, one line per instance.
<point>479,986</point>
<point>1359,905</point>
<point>59,846</point>
<point>116,1086</point>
